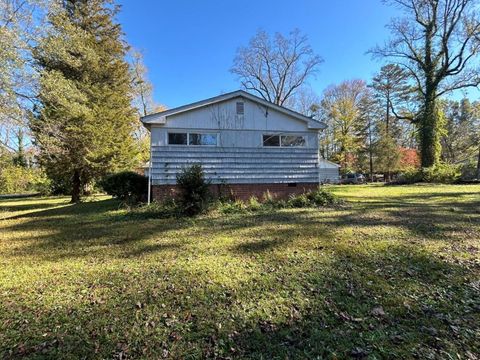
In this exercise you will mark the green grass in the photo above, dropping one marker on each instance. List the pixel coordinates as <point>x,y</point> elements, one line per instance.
<point>394,274</point>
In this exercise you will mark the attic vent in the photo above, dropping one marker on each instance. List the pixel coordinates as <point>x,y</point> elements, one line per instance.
<point>240,108</point>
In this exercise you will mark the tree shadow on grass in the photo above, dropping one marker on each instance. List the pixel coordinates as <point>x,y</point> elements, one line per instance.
<point>358,311</point>
<point>301,309</point>
<point>80,230</point>
<point>26,207</point>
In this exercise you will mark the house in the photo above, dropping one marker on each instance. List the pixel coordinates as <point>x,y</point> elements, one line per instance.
<point>246,146</point>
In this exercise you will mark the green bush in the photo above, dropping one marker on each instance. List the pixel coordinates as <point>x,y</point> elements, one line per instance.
<point>232,207</point>
<point>298,201</point>
<point>18,179</point>
<point>127,185</point>
<point>323,197</point>
<point>254,204</point>
<point>317,198</point>
<point>442,173</point>
<point>410,176</point>
<point>194,193</point>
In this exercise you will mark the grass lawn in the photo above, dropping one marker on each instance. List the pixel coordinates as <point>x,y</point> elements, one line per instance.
<point>394,274</point>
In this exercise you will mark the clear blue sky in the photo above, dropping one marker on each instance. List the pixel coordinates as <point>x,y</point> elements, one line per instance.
<point>189,45</point>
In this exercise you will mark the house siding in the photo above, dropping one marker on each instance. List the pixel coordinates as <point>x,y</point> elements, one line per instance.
<point>236,165</point>
<point>239,159</point>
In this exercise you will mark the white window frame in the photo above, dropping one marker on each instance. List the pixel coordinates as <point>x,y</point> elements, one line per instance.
<point>280,141</point>
<point>188,137</point>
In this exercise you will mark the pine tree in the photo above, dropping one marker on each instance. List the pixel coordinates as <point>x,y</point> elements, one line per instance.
<point>84,123</point>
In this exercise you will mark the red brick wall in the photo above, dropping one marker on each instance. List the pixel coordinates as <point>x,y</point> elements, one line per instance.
<point>239,191</point>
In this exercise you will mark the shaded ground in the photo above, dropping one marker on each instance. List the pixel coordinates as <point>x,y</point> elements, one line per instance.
<point>395,274</point>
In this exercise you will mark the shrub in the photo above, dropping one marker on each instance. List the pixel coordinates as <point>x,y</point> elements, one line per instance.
<point>232,207</point>
<point>442,173</point>
<point>126,185</point>
<point>317,198</point>
<point>18,179</point>
<point>194,193</point>
<point>268,199</point>
<point>410,176</point>
<point>298,201</point>
<point>323,197</point>
<point>254,204</point>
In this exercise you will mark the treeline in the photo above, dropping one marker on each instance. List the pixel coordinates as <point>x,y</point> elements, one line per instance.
<point>366,134</point>
<point>410,117</point>
<point>71,82</point>
<point>72,91</point>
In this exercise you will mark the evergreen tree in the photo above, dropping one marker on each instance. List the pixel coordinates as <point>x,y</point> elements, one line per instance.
<point>387,152</point>
<point>84,123</point>
<point>393,92</point>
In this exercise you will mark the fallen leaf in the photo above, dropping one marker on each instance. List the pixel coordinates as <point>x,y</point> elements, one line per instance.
<point>377,311</point>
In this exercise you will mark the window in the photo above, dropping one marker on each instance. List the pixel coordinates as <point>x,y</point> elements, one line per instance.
<point>192,139</point>
<point>240,108</point>
<point>202,139</point>
<point>283,140</point>
<point>290,140</point>
<point>271,140</point>
<point>177,138</point>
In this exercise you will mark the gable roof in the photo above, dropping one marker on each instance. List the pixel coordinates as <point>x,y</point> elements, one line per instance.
<point>160,117</point>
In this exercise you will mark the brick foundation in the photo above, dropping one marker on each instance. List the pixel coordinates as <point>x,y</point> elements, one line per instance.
<point>239,191</point>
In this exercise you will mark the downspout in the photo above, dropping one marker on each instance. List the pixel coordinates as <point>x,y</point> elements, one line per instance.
<point>149,196</point>
<point>318,156</point>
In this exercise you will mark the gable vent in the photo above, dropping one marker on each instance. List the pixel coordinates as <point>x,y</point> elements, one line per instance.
<point>240,108</point>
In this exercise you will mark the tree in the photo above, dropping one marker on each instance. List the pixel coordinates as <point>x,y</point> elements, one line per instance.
<point>84,123</point>
<point>143,102</point>
<point>20,26</point>
<point>343,106</point>
<point>275,68</point>
<point>387,152</point>
<point>307,102</point>
<point>393,91</point>
<point>436,42</point>
<point>459,143</point>
<point>141,86</point>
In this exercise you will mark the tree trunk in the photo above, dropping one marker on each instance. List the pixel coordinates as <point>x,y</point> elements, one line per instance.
<point>428,127</point>
<point>76,187</point>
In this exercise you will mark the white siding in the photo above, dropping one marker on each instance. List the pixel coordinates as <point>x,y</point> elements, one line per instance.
<point>239,156</point>
<point>223,116</point>
<point>236,165</point>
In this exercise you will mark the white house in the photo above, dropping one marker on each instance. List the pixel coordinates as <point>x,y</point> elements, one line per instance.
<point>246,146</point>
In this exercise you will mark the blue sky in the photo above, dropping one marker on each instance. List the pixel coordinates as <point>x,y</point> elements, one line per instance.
<point>189,45</point>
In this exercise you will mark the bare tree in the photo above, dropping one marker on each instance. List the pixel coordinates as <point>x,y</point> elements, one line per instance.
<point>20,26</point>
<point>142,87</point>
<point>143,101</point>
<point>437,43</point>
<point>306,101</point>
<point>275,68</point>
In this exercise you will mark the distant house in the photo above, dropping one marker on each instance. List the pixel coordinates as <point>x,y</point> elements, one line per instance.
<point>246,146</point>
